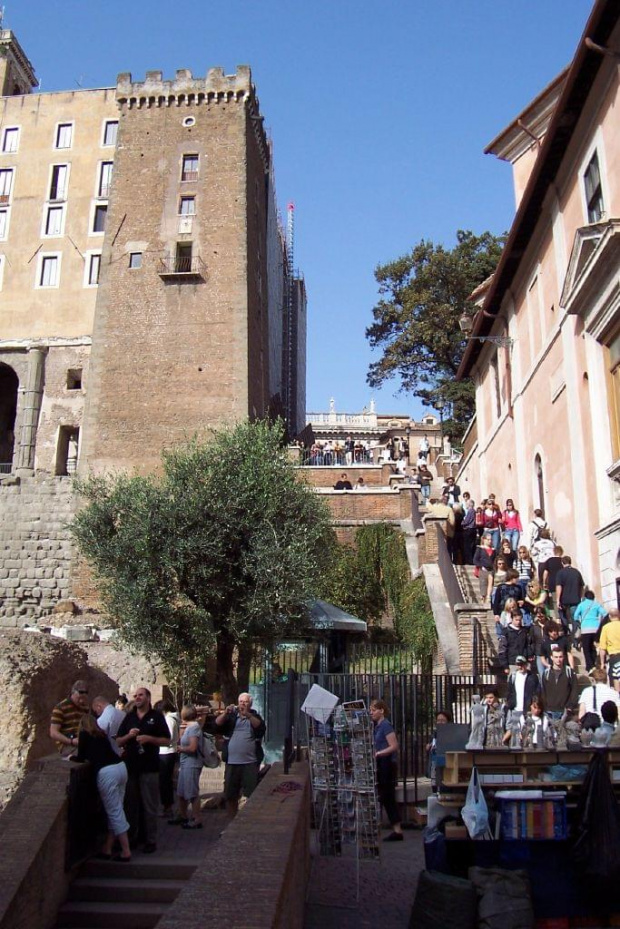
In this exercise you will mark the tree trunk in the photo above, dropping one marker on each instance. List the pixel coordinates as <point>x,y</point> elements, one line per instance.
<point>244,664</point>
<point>225,669</point>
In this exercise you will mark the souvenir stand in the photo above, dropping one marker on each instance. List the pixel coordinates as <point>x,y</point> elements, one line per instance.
<point>342,769</point>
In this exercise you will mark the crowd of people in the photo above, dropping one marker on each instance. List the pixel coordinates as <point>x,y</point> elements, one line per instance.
<point>138,751</point>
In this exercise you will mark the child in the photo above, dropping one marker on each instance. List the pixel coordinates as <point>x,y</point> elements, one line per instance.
<point>441,718</point>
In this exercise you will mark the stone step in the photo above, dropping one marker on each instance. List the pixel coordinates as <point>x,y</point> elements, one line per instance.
<point>174,869</point>
<point>125,890</point>
<point>110,915</point>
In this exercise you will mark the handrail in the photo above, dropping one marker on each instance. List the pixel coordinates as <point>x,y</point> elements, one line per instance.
<point>446,569</point>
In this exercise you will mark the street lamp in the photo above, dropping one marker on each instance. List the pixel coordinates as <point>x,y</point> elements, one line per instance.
<point>440,406</point>
<point>408,434</point>
<point>466,325</point>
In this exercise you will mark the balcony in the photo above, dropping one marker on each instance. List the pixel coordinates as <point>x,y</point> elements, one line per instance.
<point>189,176</point>
<point>182,266</point>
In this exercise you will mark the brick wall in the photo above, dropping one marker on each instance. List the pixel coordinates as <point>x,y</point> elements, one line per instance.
<point>33,830</point>
<point>369,505</point>
<point>467,616</point>
<point>269,843</point>
<point>172,357</point>
<point>378,476</point>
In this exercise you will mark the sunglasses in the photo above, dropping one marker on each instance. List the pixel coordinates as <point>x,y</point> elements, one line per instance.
<point>83,692</point>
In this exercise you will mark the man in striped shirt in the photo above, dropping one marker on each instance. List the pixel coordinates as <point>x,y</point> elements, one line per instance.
<point>66,716</point>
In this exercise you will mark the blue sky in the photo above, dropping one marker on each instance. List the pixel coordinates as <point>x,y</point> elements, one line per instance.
<point>379,111</point>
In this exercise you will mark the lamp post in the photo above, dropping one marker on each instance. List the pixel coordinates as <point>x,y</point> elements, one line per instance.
<point>440,406</point>
<point>408,434</point>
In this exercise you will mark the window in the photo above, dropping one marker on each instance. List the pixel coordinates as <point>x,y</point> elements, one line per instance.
<point>189,171</point>
<point>540,482</point>
<point>54,220</point>
<point>183,263</point>
<point>50,271</point>
<point>10,140</point>
<point>4,223</point>
<point>594,190</point>
<point>99,218</point>
<point>1,270</point>
<point>105,178</point>
<point>187,206</point>
<point>94,266</point>
<point>58,183</point>
<point>64,135</point>
<point>6,183</point>
<point>110,131</point>
<point>74,379</point>
<point>135,260</point>
<point>496,385</point>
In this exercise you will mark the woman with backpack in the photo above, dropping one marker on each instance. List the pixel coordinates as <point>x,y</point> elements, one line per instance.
<point>190,766</point>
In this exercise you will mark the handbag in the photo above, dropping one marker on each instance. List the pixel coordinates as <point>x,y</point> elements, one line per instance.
<point>208,752</point>
<point>591,720</point>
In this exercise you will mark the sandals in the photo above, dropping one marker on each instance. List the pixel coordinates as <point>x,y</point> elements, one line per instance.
<point>191,824</point>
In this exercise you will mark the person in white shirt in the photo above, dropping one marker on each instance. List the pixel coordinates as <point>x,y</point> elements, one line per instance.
<point>108,719</point>
<point>592,698</point>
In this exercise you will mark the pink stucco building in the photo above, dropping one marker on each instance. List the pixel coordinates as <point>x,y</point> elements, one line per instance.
<point>546,430</point>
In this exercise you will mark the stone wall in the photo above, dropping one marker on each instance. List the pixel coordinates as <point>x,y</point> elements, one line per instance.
<point>270,841</point>
<point>36,551</point>
<point>37,671</point>
<point>33,833</point>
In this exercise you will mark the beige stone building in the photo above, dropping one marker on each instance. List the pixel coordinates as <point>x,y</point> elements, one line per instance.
<point>145,286</point>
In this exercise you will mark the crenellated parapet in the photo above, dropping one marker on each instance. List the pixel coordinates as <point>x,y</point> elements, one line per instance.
<point>187,91</point>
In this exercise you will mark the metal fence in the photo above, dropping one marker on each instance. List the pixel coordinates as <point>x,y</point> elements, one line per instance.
<point>413,699</point>
<point>360,658</point>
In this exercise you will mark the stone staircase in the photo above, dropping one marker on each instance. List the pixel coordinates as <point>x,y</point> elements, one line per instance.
<point>114,895</point>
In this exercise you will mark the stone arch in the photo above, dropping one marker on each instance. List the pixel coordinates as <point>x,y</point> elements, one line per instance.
<point>9,384</point>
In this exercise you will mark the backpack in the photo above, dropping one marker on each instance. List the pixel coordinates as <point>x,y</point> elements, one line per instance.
<point>208,752</point>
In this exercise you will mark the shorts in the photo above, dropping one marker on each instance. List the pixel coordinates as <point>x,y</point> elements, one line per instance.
<point>240,779</point>
<point>614,667</point>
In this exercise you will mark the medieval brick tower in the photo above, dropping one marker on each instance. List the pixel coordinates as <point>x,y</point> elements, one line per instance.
<point>183,318</point>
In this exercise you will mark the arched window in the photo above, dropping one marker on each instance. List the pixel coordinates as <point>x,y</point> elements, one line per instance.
<point>540,482</point>
<point>9,382</point>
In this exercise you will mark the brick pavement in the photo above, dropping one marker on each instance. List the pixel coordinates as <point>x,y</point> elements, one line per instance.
<point>387,888</point>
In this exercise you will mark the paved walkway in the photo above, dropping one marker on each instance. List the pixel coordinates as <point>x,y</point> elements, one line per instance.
<point>175,842</point>
<point>387,888</point>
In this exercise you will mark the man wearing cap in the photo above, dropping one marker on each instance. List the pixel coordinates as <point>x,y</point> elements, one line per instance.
<point>523,685</point>
<point>66,716</point>
<point>559,687</point>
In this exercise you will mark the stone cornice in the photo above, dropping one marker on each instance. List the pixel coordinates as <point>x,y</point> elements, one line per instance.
<point>592,285</point>
<point>8,40</point>
<point>23,345</point>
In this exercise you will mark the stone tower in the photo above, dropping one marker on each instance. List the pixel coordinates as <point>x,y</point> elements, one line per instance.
<point>182,329</point>
<point>16,73</point>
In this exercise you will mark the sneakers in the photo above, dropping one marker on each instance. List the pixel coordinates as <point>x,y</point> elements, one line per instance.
<point>192,824</point>
<point>177,821</point>
<point>394,837</point>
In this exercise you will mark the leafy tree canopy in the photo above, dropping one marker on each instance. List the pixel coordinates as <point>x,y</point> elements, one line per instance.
<point>423,294</point>
<point>221,550</point>
<point>372,580</point>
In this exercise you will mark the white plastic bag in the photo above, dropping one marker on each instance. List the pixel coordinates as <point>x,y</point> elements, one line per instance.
<point>475,813</point>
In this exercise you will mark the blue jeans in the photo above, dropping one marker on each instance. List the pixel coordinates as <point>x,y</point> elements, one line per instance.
<point>495,537</point>
<point>513,537</point>
<point>426,492</point>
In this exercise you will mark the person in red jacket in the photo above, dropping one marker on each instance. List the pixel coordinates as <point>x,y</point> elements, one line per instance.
<point>512,524</point>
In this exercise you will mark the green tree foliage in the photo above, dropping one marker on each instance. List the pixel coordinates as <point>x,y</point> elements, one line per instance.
<point>422,296</point>
<point>221,550</point>
<point>373,580</point>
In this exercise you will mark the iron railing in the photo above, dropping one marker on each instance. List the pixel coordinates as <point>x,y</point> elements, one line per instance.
<point>5,467</point>
<point>182,265</point>
<point>326,458</point>
<point>413,701</point>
